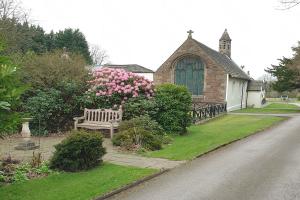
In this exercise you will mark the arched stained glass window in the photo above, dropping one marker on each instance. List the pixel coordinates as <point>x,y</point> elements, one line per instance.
<point>189,72</point>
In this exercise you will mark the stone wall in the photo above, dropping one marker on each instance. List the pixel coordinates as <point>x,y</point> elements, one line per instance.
<point>214,75</point>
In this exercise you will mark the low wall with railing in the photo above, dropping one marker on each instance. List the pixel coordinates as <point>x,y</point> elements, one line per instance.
<point>209,110</point>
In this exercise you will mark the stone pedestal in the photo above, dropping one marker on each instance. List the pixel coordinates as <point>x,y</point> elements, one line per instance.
<point>26,144</point>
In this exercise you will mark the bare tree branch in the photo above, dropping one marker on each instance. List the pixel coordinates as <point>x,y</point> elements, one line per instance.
<point>99,55</point>
<point>13,9</point>
<point>288,4</point>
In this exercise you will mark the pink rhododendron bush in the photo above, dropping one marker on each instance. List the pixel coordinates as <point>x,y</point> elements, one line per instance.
<point>111,87</point>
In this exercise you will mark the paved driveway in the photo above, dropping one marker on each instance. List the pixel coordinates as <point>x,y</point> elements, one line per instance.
<point>264,166</point>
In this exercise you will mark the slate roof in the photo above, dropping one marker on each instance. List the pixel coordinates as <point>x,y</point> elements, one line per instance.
<point>255,85</point>
<point>223,60</point>
<point>131,68</point>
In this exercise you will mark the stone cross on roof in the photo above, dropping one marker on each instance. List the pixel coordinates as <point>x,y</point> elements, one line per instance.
<point>190,33</point>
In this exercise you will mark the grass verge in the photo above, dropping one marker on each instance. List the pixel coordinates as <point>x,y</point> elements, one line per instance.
<point>273,108</point>
<point>75,186</point>
<point>215,133</point>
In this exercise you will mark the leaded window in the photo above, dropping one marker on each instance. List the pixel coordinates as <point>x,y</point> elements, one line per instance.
<point>189,72</point>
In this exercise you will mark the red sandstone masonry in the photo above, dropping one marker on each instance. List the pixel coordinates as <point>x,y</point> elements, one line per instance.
<point>214,75</point>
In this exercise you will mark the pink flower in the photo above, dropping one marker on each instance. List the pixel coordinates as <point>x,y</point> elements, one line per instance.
<point>118,81</point>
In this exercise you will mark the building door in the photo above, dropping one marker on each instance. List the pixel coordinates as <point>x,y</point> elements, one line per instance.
<point>189,72</point>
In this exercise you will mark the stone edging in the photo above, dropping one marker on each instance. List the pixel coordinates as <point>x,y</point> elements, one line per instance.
<point>131,185</point>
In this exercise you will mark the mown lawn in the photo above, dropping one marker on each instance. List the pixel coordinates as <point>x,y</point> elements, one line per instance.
<point>205,137</point>
<point>81,185</point>
<point>273,108</point>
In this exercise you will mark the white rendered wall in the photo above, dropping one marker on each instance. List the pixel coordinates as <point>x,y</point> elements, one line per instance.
<point>236,93</point>
<point>148,76</point>
<point>254,99</point>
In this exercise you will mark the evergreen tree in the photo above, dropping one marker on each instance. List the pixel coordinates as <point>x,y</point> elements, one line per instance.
<point>287,72</point>
<point>74,41</point>
<point>22,37</point>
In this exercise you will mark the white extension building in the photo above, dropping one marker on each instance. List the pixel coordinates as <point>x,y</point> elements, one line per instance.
<point>236,93</point>
<point>256,94</point>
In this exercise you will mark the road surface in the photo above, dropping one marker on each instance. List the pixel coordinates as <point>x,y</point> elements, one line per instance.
<point>265,166</point>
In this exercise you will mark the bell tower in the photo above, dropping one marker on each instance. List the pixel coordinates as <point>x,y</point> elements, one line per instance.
<point>225,44</point>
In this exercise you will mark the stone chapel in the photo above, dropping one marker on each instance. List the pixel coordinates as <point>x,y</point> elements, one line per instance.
<point>211,76</point>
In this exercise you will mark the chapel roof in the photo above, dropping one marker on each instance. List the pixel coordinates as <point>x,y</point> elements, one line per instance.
<point>255,85</point>
<point>130,67</point>
<point>223,60</point>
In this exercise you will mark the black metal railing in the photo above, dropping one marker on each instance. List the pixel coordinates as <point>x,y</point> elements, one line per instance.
<point>208,110</point>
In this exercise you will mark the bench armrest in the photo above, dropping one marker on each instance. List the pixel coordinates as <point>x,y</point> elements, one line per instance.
<point>78,118</point>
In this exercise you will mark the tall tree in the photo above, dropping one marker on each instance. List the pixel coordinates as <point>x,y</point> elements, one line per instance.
<point>74,41</point>
<point>287,72</point>
<point>13,9</point>
<point>21,37</point>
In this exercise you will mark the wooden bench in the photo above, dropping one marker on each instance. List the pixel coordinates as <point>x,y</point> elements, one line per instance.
<point>99,119</point>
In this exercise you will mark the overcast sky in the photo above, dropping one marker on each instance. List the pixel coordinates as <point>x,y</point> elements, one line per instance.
<point>148,32</point>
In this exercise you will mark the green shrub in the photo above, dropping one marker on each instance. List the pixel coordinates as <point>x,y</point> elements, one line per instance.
<point>140,132</point>
<point>49,69</point>
<point>43,169</point>
<point>10,91</point>
<point>53,109</point>
<point>10,122</point>
<point>2,177</point>
<point>136,107</point>
<point>79,151</point>
<point>174,104</point>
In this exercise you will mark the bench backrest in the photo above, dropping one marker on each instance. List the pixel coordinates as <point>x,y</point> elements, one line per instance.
<point>102,115</point>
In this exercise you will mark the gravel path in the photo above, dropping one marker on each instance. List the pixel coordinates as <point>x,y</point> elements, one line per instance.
<point>113,155</point>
